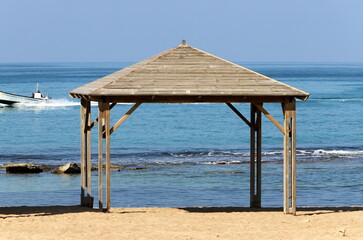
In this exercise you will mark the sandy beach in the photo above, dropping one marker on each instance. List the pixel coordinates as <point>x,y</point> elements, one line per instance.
<point>74,222</point>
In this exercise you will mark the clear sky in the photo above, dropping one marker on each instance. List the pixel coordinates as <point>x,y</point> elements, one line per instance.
<point>132,30</point>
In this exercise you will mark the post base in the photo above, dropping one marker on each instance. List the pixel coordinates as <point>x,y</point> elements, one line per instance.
<point>87,201</point>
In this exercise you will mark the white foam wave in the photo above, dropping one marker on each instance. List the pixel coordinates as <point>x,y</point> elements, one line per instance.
<point>50,104</point>
<point>336,152</point>
<point>272,153</point>
<point>269,154</point>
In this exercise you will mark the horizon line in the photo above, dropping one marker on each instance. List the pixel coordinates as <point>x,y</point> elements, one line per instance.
<point>132,62</point>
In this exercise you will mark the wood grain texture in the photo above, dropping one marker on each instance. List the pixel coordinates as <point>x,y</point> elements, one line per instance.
<point>106,112</point>
<point>186,71</point>
<point>88,149</point>
<point>100,153</point>
<point>272,119</point>
<point>290,157</point>
<point>82,145</point>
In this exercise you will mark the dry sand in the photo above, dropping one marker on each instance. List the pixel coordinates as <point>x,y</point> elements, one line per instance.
<point>183,223</point>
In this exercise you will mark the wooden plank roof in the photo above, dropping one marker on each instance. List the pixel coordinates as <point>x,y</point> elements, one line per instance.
<point>186,74</point>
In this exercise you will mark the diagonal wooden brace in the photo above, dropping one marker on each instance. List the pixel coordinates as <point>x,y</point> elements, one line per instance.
<point>123,119</point>
<point>96,121</point>
<point>239,114</point>
<point>268,115</point>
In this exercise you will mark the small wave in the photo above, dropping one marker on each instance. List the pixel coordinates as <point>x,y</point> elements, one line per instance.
<point>273,153</point>
<point>336,152</point>
<point>336,99</point>
<point>200,162</point>
<point>198,157</point>
<point>191,154</point>
<point>228,157</point>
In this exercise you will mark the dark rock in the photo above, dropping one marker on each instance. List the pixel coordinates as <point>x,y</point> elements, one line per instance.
<point>70,168</point>
<point>139,168</point>
<point>45,168</point>
<point>112,167</point>
<point>116,166</point>
<point>23,168</point>
<point>237,172</point>
<point>116,169</point>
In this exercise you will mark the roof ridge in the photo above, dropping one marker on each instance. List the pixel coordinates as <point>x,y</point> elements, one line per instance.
<point>249,70</point>
<point>154,58</point>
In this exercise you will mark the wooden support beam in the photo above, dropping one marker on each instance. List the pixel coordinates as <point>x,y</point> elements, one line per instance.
<point>123,119</point>
<point>85,112</point>
<point>239,114</point>
<point>252,156</point>
<point>88,150</point>
<point>96,121</point>
<point>255,157</point>
<point>108,154</point>
<point>289,108</point>
<point>83,150</point>
<point>100,153</point>
<point>152,98</point>
<point>268,115</point>
<point>258,158</point>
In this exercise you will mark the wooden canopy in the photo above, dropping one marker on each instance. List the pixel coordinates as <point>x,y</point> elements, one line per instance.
<point>185,74</point>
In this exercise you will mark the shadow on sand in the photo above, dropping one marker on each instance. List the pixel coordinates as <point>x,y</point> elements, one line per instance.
<point>10,212</point>
<point>16,212</point>
<point>303,211</point>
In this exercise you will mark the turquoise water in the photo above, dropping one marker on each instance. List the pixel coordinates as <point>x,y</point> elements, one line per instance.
<point>196,153</point>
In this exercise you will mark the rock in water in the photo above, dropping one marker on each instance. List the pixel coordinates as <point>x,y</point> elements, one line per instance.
<point>23,168</point>
<point>139,168</point>
<point>68,168</point>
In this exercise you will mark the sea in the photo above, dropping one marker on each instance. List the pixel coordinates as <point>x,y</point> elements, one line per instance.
<point>185,155</point>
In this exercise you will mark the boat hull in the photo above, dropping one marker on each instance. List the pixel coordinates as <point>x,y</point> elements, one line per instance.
<point>9,98</point>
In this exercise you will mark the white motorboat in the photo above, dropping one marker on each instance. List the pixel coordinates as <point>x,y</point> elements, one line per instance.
<point>10,98</point>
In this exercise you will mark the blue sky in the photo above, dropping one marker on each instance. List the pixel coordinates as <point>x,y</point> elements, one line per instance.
<point>132,30</point>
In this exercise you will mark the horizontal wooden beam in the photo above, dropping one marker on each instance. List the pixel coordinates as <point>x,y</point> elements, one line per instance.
<point>190,99</point>
<point>123,119</point>
<point>239,114</point>
<point>268,115</point>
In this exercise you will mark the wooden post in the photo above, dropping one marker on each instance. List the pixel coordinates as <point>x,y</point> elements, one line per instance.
<point>100,153</point>
<point>255,157</point>
<point>259,157</point>
<point>86,165</point>
<point>83,150</point>
<point>289,109</point>
<point>108,154</point>
<point>88,149</point>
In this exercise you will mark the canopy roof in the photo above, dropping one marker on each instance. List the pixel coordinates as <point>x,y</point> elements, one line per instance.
<point>186,74</point>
